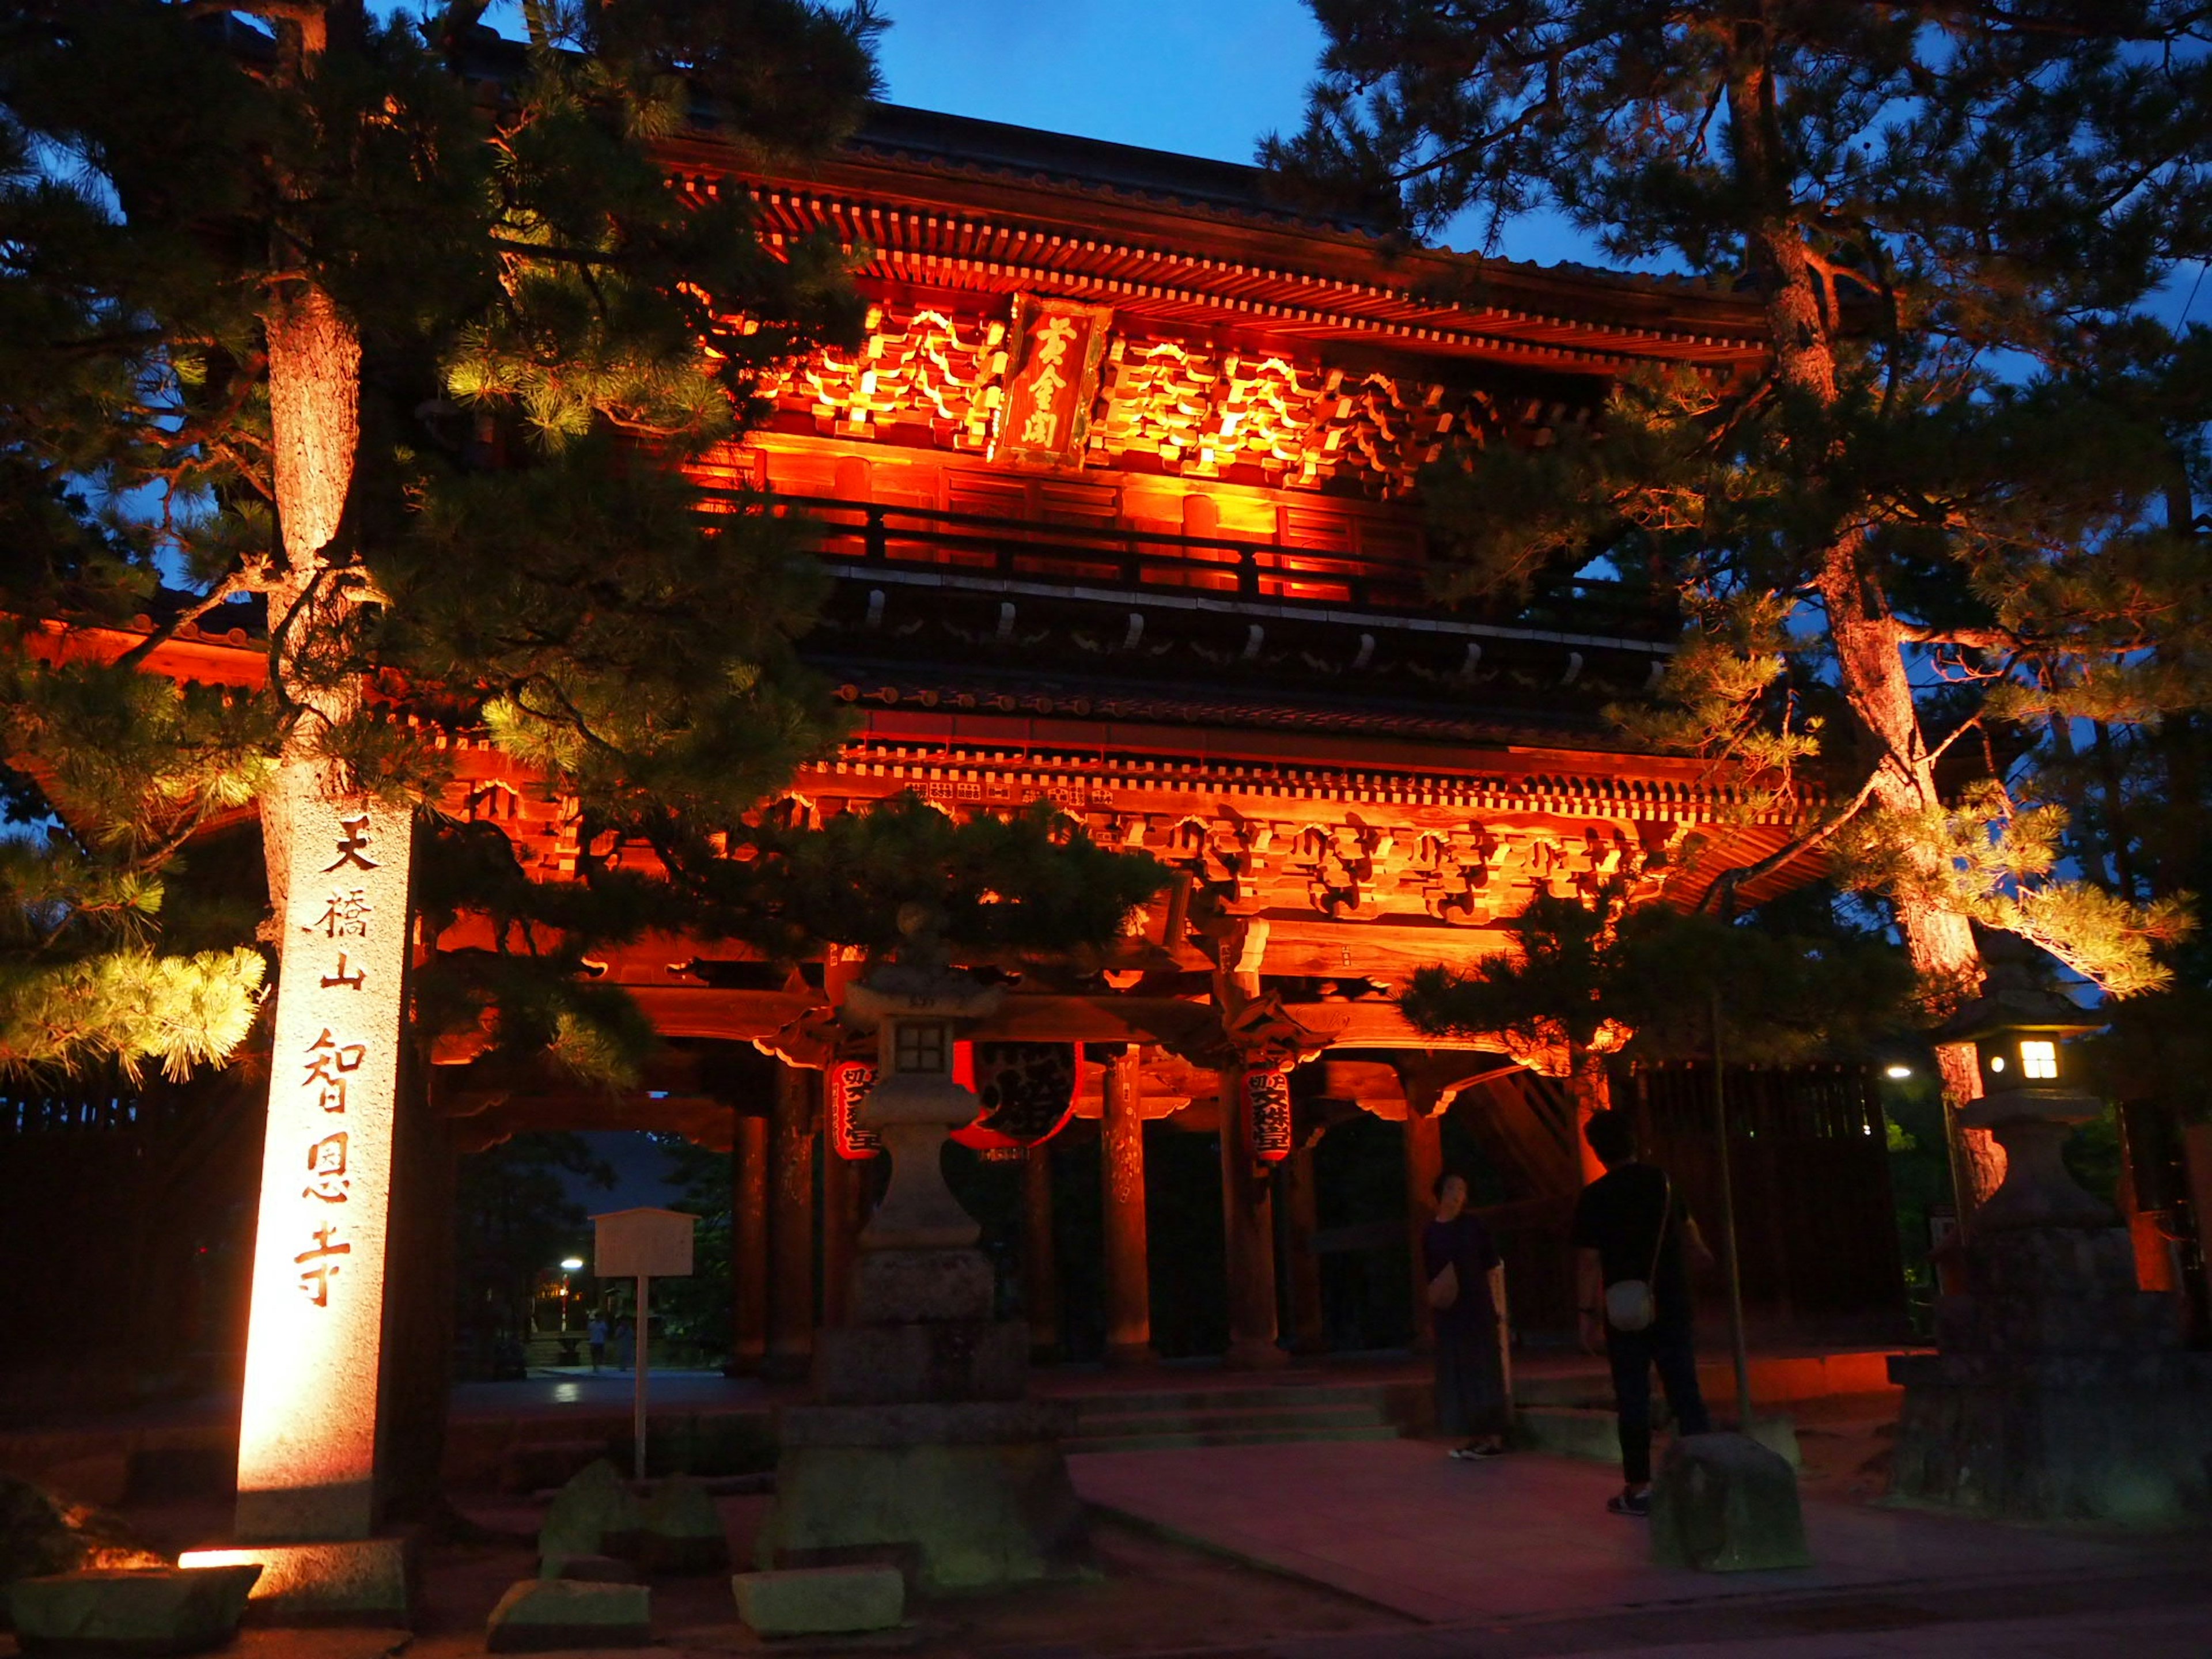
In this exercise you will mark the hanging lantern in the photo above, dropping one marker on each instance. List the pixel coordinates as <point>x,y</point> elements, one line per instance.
<point>1268,1103</point>
<point>845,1087</point>
<point>1028,1090</point>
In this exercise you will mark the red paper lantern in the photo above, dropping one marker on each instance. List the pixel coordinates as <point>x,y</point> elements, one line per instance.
<point>1268,1099</point>
<point>1028,1090</point>
<point>844,1088</point>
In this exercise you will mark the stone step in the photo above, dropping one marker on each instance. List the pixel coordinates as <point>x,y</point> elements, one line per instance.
<point>1179,1439</point>
<point>1257,1397</point>
<point>1577,1389</point>
<point>1092,1425</point>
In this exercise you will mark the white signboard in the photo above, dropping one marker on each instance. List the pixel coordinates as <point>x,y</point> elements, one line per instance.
<point>642,1245</point>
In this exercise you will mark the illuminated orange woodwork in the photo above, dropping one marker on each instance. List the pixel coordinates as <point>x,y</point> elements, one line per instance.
<point>307,1429</point>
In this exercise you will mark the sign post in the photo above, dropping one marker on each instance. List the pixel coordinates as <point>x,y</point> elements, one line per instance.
<point>643,1244</point>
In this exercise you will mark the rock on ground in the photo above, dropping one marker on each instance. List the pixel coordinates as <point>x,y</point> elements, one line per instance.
<point>1722,1503</point>
<point>540,1614</point>
<point>593,1515</point>
<point>820,1601</point>
<point>130,1610</point>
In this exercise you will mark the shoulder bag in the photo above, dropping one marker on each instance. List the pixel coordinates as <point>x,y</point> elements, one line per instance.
<point>1628,1305</point>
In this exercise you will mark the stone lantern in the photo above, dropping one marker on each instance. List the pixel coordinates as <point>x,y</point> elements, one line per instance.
<point>2059,1389</point>
<point>2030,1104</point>
<point>921,1445</point>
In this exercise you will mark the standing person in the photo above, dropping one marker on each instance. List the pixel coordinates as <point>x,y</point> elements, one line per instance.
<point>1457,1255</point>
<point>596,1333</point>
<point>625,1343</point>
<point>1631,1227</point>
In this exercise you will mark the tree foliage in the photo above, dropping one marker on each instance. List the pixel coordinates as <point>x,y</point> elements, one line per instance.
<point>392,340</point>
<point>1938,513</point>
<point>1789,987</point>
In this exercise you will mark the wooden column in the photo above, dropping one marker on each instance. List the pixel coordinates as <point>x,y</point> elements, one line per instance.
<point>840,1229</point>
<point>1121,1171</point>
<point>790,1225</point>
<point>1309,1333</point>
<point>1248,1221</point>
<point>1040,1269</point>
<point>1425,1162</point>
<point>749,1258</point>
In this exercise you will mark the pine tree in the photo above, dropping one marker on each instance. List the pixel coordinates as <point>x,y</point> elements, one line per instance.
<point>397,336</point>
<point>393,341</point>
<point>1932,517</point>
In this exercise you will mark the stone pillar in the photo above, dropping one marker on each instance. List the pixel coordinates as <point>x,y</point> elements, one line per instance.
<point>1302,1265</point>
<point>1121,1172</point>
<point>790,1225</point>
<point>840,1225</point>
<point>1425,1162</point>
<point>1247,1223</point>
<point>1039,1270</point>
<point>749,1258</point>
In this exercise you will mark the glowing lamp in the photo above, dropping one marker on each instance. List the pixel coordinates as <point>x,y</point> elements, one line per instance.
<point>572,1264</point>
<point>1897,1074</point>
<point>2020,1036</point>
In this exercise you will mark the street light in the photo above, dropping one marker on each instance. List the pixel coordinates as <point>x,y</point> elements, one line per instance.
<point>570,1264</point>
<point>1897,1074</point>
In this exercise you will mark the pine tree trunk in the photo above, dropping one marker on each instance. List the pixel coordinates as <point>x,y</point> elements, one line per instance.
<point>1868,643</point>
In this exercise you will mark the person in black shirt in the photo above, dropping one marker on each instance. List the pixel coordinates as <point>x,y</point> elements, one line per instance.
<point>1458,1256</point>
<point>1631,1223</point>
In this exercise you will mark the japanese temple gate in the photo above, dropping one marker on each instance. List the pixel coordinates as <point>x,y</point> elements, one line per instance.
<point>1119,501</point>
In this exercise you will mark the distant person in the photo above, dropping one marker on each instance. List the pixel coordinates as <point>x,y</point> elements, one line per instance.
<point>1632,1237</point>
<point>1457,1256</point>
<point>625,1344</point>
<point>596,1333</point>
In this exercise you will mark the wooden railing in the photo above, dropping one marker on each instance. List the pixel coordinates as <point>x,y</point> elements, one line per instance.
<point>1029,550</point>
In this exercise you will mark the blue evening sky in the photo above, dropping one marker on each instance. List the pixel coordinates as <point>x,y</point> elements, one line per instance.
<point>1203,77</point>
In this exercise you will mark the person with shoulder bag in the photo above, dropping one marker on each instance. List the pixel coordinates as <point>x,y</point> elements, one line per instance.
<point>1633,1239</point>
<point>1457,1256</point>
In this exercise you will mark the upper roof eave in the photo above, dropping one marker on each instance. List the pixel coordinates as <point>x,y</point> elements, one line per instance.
<point>1089,189</point>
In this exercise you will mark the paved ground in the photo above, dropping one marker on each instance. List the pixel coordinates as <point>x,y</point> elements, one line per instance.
<point>1398,1523</point>
<point>1388,1550</point>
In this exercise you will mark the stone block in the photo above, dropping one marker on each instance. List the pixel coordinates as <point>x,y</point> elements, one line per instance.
<point>1570,1430</point>
<point>970,1514</point>
<point>820,1601</point>
<point>543,1465</point>
<point>683,1531</point>
<point>1722,1503</point>
<point>540,1614</point>
<point>363,1581</point>
<point>130,1610</point>
<point>942,1359</point>
<point>894,1287</point>
<point>2122,1439</point>
<point>588,1569</point>
<point>593,1515</point>
<point>1778,1432</point>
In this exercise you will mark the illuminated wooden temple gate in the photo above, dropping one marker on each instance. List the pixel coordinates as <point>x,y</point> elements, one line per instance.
<point>1119,502</point>
<point>1118,496</point>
